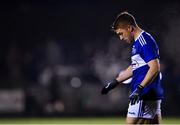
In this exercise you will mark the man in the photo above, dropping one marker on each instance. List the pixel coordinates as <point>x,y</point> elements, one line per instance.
<point>146,90</point>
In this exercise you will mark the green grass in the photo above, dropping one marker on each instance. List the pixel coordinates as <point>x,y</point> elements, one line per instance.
<point>108,120</point>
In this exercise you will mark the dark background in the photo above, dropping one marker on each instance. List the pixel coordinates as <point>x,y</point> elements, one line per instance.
<point>55,56</point>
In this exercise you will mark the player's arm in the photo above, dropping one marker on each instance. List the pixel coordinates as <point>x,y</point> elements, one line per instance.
<point>154,69</point>
<point>122,77</point>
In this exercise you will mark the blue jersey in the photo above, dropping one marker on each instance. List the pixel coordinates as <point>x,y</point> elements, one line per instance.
<point>145,49</point>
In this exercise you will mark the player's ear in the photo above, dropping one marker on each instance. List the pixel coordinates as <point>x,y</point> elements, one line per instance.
<point>130,28</point>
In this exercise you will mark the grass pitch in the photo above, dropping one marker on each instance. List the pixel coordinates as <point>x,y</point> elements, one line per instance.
<point>104,120</point>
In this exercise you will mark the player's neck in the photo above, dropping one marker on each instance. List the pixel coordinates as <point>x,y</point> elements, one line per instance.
<point>137,32</point>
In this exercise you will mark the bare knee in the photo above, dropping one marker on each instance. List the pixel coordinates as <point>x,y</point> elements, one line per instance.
<point>131,120</point>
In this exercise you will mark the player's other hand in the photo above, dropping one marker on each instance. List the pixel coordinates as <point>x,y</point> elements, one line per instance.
<point>109,86</point>
<point>134,96</point>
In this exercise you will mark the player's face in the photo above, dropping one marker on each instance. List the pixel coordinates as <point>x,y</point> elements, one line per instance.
<point>125,34</point>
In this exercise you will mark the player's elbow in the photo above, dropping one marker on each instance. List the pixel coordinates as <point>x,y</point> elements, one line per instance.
<point>154,67</point>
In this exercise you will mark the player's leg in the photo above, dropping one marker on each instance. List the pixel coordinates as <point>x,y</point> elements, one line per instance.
<point>130,120</point>
<point>156,120</point>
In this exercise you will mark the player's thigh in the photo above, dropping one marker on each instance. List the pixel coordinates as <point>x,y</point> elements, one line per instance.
<point>131,120</point>
<point>156,120</point>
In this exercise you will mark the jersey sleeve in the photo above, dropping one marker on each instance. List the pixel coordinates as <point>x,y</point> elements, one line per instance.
<point>150,51</point>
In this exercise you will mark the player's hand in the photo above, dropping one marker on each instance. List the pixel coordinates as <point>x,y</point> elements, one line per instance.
<point>109,86</point>
<point>134,96</point>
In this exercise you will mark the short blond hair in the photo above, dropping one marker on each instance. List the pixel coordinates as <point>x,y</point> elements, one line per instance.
<point>124,19</point>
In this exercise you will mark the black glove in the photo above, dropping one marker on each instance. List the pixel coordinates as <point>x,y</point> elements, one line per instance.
<point>109,86</point>
<point>134,96</point>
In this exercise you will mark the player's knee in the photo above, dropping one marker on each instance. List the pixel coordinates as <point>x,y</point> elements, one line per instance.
<point>130,120</point>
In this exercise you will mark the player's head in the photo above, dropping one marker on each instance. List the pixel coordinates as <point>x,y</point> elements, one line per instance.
<point>124,26</point>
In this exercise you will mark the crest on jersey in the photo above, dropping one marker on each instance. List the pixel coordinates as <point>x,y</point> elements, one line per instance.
<point>133,50</point>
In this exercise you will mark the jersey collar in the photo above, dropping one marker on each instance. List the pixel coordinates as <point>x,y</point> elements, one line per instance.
<point>139,35</point>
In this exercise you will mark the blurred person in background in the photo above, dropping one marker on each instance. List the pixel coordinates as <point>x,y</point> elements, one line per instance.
<point>146,91</point>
